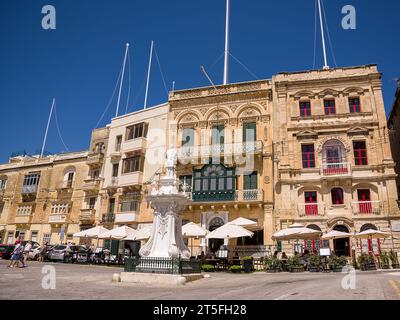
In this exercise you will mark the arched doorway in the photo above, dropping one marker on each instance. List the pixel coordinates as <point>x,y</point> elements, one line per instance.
<point>214,244</point>
<point>342,247</point>
<point>313,246</point>
<point>370,245</point>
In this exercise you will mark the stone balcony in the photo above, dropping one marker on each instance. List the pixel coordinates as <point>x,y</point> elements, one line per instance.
<point>95,158</point>
<point>87,216</point>
<point>58,218</point>
<point>126,217</point>
<point>130,179</point>
<point>22,219</point>
<point>366,208</point>
<point>311,210</point>
<point>134,145</point>
<point>91,184</point>
<point>191,153</point>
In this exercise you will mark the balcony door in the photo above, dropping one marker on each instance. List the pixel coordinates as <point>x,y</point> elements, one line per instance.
<point>311,205</point>
<point>364,199</point>
<point>218,135</point>
<point>249,132</point>
<point>334,158</point>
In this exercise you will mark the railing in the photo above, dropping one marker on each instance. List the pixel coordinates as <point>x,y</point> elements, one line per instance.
<point>335,169</point>
<point>219,149</point>
<point>162,265</point>
<point>30,189</point>
<point>108,218</point>
<point>367,207</point>
<point>311,209</point>
<point>249,195</point>
<point>250,250</point>
<point>213,196</point>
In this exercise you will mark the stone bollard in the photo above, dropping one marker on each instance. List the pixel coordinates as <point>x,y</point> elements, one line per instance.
<point>116,277</point>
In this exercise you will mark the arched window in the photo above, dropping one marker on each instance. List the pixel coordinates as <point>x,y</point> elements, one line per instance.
<point>370,245</point>
<point>214,182</point>
<point>334,152</point>
<point>69,177</point>
<point>368,226</point>
<point>337,196</point>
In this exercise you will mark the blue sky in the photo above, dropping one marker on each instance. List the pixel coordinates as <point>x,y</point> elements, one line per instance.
<point>79,62</point>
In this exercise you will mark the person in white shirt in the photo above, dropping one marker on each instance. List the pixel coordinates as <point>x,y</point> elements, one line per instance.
<point>27,249</point>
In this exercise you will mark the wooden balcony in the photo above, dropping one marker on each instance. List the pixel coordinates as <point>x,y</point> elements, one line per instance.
<point>366,208</point>
<point>241,196</point>
<point>311,210</point>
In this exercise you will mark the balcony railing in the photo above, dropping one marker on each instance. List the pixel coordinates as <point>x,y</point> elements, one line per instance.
<point>138,144</point>
<point>57,218</point>
<point>108,218</point>
<point>336,169</point>
<point>95,158</point>
<point>193,152</point>
<point>366,208</point>
<point>311,209</point>
<point>124,217</point>
<point>249,195</point>
<point>30,189</point>
<point>87,215</point>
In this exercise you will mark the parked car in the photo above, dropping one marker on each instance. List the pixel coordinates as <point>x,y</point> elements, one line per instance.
<point>7,249</point>
<point>57,253</point>
<point>66,253</point>
<point>77,254</point>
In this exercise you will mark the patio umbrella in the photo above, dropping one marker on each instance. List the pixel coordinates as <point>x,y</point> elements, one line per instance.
<point>297,233</point>
<point>141,234</point>
<point>91,233</point>
<point>245,223</point>
<point>371,234</point>
<point>193,230</point>
<point>230,231</point>
<point>336,235</point>
<point>118,233</point>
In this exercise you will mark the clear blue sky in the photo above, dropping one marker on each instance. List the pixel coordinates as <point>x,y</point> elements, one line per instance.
<point>79,62</point>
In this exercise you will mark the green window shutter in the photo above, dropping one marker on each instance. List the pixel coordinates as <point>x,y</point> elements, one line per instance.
<point>250,181</point>
<point>249,132</point>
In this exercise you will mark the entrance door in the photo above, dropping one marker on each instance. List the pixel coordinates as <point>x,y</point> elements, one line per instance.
<point>342,246</point>
<point>215,244</point>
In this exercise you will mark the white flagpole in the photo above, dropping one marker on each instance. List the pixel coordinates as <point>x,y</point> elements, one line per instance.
<point>148,75</point>
<point>322,35</point>
<point>47,128</point>
<point>122,80</point>
<point>226,62</point>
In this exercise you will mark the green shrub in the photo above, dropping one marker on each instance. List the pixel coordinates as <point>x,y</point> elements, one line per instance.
<point>365,259</point>
<point>294,262</point>
<point>315,261</point>
<point>393,257</point>
<point>235,268</point>
<point>384,258</point>
<point>272,263</point>
<point>247,258</point>
<point>337,262</point>
<point>207,267</point>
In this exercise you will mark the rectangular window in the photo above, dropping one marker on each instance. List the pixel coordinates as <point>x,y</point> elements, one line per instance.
<point>70,179</point>
<point>31,182</point>
<point>136,131</point>
<point>250,181</point>
<point>92,202</point>
<point>34,236</point>
<point>2,184</point>
<point>218,135</point>
<point>60,208</point>
<point>355,105</point>
<point>305,109</point>
<point>111,205</point>
<point>308,155</point>
<point>188,137</point>
<point>337,196</point>
<point>185,180</point>
<point>129,205</point>
<point>46,237</point>
<point>311,206</point>
<point>1,207</point>
<point>10,237</point>
<point>115,169</point>
<point>360,153</point>
<point>133,164</point>
<point>118,142</point>
<point>329,106</point>
<point>249,132</point>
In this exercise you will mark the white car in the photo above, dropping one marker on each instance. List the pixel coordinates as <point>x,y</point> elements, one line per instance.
<point>34,253</point>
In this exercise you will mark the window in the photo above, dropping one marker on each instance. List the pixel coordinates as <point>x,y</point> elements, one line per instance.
<point>24,210</point>
<point>311,206</point>
<point>10,237</point>
<point>31,179</point>
<point>118,142</point>
<point>20,235</point>
<point>34,236</point>
<point>188,137</point>
<point>92,202</point>
<point>337,196</point>
<point>99,147</point>
<point>133,164</point>
<point>111,205</point>
<point>329,106</point>
<point>249,132</point>
<point>308,155</point>
<point>360,153</point>
<point>354,104</point>
<point>115,169</point>
<point>60,208</point>
<point>70,179</point>
<point>94,174</point>
<point>130,202</point>
<point>3,184</point>
<point>218,135</point>
<point>46,237</point>
<point>250,181</point>
<point>305,109</point>
<point>364,199</point>
<point>1,207</point>
<point>185,180</point>
<point>136,131</point>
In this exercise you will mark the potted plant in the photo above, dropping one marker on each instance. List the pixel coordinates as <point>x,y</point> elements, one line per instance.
<point>295,265</point>
<point>394,259</point>
<point>248,264</point>
<point>272,265</point>
<point>235,269</point>
<point>367,262</point>
<point>315,263</point>
<point>337,263</point>
<point>208,267</point>
<point>384,260</point>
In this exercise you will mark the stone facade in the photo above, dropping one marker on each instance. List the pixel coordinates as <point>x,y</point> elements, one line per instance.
<point>394,130</point>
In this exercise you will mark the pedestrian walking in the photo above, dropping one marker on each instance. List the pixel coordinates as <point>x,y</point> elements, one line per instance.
<point>26,251</point>
<point>16,255</point>
<point>43,252</point>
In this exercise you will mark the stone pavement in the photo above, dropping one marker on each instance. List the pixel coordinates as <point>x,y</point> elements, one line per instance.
<point>94,282</point>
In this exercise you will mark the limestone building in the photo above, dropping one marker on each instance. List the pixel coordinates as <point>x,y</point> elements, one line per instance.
<point>394,130</point>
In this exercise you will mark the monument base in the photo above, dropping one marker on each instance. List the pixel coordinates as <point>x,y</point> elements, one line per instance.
<point>159,279</point>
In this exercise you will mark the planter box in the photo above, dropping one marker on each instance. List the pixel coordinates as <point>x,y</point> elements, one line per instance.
<point>236,271</point>
<point>395,266</point>
<point>313,269</point>
<point>385,267</point>
<point>273,270</point>
<point>296,269</point>
<point>368,267</point>
<point>337,269</point>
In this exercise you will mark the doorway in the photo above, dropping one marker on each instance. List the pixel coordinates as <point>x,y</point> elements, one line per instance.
<point>341,247</point>
<point>215,244</point>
